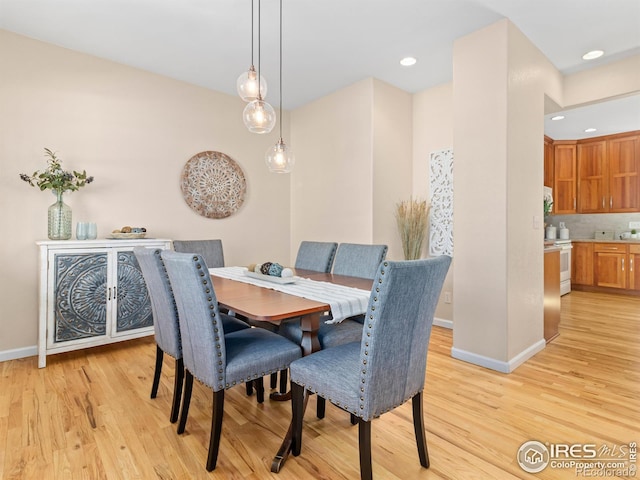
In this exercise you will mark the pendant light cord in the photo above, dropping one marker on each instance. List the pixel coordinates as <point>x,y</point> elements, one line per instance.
<point>252,41</point>
<point>281,70</point>
<point>259,77</point>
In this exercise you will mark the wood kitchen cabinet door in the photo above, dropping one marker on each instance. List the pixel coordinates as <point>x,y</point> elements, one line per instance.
<point>634,267</point>
<point>593,195</point>
<point>582,263</point>
<point>548,162</point>
<point>564,181</point>
<point>624,187</point>
<point>611,264</point>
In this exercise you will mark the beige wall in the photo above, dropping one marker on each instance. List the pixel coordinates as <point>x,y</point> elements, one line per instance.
<point>356,146</point>
<point>594,85</point>
<point>500,84</point>
<point>133,131</point>
<point>392,169</point>
<point>331,186</point>
<point>500,80</point>
<point>432,131</point>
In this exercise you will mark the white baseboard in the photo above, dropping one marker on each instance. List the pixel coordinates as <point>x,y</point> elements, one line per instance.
<point>18,353</point>
<point>441,322</point>
<point>498,365</point>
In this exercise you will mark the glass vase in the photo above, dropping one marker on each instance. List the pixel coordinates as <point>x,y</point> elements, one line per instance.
<point>59,219</point>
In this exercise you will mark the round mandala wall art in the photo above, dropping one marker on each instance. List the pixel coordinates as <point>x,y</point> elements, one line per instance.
<point>213,185</point>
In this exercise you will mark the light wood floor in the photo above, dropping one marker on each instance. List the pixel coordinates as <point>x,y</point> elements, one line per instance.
<point>88,414</point>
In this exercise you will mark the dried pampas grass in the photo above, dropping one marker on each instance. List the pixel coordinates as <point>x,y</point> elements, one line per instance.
<point>412,217</point>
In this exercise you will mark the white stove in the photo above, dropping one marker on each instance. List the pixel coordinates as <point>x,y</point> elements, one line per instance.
<point>565,265</point>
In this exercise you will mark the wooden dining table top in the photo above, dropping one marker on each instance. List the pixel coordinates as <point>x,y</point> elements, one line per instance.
<point>265,304</point>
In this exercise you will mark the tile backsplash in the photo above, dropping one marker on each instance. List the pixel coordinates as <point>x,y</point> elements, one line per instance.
<point>584,226</point>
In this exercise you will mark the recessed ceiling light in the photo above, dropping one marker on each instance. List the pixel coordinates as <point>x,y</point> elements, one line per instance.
<point>589,130</point>
<point>408,61</point>
<point>592,54</point>
<point>557,117</point>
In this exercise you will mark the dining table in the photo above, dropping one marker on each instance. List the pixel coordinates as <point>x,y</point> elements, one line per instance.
<point>263,304</point>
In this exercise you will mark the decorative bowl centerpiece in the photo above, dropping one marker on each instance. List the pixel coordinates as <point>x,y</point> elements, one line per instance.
<point>128,232</point>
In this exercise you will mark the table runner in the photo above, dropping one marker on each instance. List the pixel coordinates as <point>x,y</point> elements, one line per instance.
<point>344,301</point>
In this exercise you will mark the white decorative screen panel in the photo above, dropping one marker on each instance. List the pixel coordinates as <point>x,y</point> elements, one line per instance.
<point>441,188</point>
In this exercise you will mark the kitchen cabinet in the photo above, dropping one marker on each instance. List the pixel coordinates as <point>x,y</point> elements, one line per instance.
<point>608,175</point>
<point>582,263</point>
<point>610,263</point>
<point>596,175</point>
<point>606,266</point>
<point>634,267</point>
<point>548,162</point>
<point>624,173</point>
<point>91,293</point>
<point>592,187</point>
<point>564,177</point>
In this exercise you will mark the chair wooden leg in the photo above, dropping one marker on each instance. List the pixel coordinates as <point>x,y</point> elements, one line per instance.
<point>297,408</point>
<point>284,379</point>
<point>354,419</point>
<point>157,372</point>
<point>216,429</point>
<point>274,380</point>
<point>249,386</point>
<point>259,384</point>
<point>418,426</point>
<point>186,400</point>
<point>364,443</point>
<point>320,407</point>
<point>177,390</point>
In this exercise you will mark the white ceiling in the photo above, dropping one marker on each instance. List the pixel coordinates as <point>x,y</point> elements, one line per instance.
<point>613,116</point>
<point>328,44</point>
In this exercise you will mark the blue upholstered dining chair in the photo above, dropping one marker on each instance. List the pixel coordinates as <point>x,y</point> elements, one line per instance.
<point>354,260</point>
<point>215,357</point>
<point>165,321</point>
<point>210,250</point>
<point>316,256</point>
<point>213,254</point>
<point>359,260</point>
<point>387,366</point>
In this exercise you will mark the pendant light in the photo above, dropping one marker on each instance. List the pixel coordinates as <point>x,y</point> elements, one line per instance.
<point>247,83</point>
<point>258,115</point>
<point>279,158</point>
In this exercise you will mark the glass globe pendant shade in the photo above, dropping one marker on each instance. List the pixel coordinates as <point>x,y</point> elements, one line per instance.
<point>259,116</point>
<point>248,86</point>
<point>279,158</point>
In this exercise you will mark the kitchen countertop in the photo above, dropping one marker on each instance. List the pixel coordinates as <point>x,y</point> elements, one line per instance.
<point>593,240</point>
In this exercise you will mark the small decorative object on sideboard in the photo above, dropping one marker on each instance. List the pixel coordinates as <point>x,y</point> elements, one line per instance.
<point>129,232</point>
<point>634,234</point>
<point>57,180</point>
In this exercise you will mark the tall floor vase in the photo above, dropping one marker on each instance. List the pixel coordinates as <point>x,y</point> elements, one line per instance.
<point>60,224</point>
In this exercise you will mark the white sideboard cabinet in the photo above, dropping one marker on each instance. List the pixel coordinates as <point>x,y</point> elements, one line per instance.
<point>91,293</point>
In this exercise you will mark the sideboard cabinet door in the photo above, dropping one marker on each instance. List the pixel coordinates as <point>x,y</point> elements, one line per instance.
<point>133,307</point>
<point>79,283</point>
